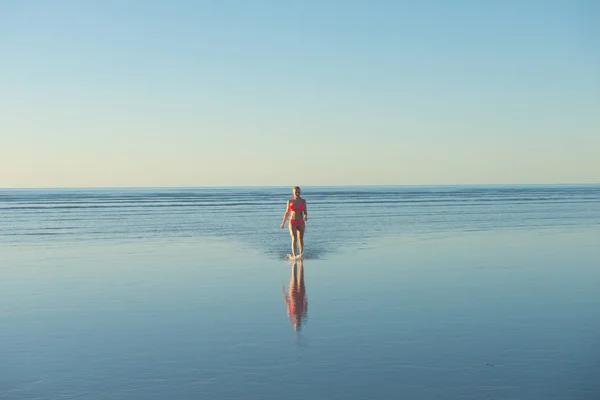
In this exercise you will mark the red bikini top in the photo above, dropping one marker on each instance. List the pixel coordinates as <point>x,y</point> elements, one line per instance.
<point>301,208</point>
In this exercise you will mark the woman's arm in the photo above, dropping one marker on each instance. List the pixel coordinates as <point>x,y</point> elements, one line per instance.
<point>305,210</point>
<point>285,216</point>
<point>285,296</point>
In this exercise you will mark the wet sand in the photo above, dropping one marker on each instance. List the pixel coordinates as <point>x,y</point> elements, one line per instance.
<point>475,315</point>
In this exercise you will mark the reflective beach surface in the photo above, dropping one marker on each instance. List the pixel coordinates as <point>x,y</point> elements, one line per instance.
<point>441,293</point>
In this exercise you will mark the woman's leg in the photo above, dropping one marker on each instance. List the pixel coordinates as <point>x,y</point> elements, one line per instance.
<point>293,234</point>
<point>300,278</point>
<point>300,233</point>
<point>294,279</point>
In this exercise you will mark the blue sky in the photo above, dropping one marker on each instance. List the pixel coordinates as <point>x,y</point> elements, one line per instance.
<point>203,93</point>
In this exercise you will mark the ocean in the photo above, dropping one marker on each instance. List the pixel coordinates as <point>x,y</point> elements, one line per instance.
<point>445,292</point>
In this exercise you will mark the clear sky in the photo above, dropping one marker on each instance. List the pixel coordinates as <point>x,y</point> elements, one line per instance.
<point>250,92</point>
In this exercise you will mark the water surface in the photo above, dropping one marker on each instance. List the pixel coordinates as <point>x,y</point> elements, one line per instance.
<point>446,293</point>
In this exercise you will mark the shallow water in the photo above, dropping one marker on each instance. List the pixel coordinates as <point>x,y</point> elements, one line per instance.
<point>469,309</point>
<point>338,217</point>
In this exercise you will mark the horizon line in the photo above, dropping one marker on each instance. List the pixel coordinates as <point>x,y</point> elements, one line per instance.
<point>290,186</point>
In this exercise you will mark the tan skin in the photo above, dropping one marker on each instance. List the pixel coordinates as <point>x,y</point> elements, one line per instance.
<point>296,232</point>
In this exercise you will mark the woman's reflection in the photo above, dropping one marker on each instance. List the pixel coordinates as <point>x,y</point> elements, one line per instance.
<point>295,299</point>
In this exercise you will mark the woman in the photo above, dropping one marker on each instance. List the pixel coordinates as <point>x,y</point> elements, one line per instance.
<point>296,210</point>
